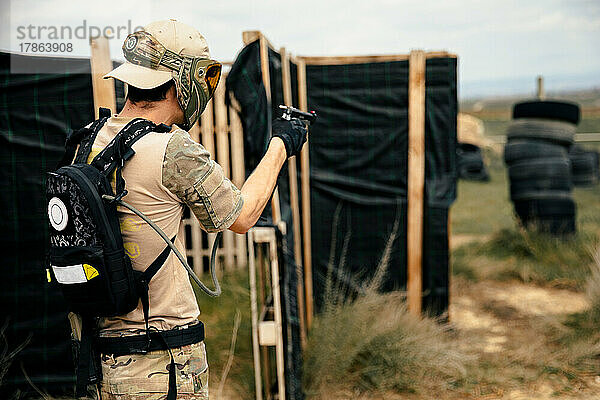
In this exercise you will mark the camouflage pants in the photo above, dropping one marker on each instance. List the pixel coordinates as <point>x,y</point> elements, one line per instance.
<point>146,376</point>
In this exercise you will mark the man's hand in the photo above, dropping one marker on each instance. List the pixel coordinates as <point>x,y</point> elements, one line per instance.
<point>292,133</point>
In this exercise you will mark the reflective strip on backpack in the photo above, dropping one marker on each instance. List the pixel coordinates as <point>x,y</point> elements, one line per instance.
<point>71,274</point>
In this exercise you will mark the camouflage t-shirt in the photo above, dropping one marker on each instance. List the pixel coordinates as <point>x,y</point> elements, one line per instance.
<point>199,182</point>
<point>168,171</point>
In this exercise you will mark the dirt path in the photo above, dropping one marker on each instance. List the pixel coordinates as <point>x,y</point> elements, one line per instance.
<point>504,324</point>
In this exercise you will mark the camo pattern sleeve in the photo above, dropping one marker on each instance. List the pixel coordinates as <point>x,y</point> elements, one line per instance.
<point>190,174</point>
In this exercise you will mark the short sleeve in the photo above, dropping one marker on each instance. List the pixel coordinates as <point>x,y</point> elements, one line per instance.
<point>190,174</point>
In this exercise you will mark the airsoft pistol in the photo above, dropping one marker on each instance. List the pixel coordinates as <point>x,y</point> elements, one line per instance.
<point>291,112</point>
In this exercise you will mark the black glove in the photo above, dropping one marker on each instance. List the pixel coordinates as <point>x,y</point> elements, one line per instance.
<point>292,132</point>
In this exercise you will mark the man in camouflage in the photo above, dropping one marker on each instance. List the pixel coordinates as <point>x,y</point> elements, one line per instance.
<point>170,171</point>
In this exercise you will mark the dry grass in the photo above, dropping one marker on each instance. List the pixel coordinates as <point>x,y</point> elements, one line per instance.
<point>529,257</point>
<point>371,344</point>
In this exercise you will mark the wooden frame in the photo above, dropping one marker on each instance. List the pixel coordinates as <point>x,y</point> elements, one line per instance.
<point>305,187</point>
<point>341,60</point>
<point>266,331</point>
<point>416,158</point>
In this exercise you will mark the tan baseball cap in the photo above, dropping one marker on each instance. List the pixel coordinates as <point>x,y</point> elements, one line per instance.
<point>175,36</point>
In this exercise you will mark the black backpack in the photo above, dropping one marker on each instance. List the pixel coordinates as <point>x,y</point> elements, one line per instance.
<point>86,256</point>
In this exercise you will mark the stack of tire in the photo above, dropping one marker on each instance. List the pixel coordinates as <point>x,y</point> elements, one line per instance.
<point>470,163</point>
<point>539,167</point>
<point>584,165</point>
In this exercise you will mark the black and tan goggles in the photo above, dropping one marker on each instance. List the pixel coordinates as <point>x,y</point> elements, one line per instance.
<point>143,49</point>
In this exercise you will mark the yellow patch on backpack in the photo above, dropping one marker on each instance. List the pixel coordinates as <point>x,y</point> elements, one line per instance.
<point>90,272</point>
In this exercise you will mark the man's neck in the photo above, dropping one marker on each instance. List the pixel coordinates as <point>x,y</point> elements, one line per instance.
<point>155,113</point>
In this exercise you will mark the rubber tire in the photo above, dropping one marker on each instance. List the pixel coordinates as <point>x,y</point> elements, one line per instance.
<point>531,189</point>
<point>586,180</point>
<point>534,128</point>
<point>585,162</point>
<point>517,150</point>
<point>555,110</point>
<point>540,168</point>
<point>585,166</point>
<point>553,215</point>
<point>481,175</point>
<point>557,226</point>
<point>534,208</point>
<point>470,163</point>
<point>540,177</point>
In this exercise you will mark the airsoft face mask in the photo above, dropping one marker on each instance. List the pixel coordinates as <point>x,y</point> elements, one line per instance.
<point>196,78</point>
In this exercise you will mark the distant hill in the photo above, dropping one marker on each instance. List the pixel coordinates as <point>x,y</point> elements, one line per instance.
<point>525,86</point>
<point>588,99</point>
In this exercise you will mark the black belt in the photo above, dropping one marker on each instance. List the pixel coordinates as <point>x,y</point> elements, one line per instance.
<point>159,340</point>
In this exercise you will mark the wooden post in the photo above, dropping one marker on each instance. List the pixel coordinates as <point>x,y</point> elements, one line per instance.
<point>254,310</point>
<point>305,187</point>
<point>541,93</point>
<point>279,358</point>
<point>416,178</point>
<point>294,202</point>
<point>238,173</point>
<point>222,135</point>
<point>195,132</point>
<point>208,141</point>
<point>267,328</point>
<point>101,64</point>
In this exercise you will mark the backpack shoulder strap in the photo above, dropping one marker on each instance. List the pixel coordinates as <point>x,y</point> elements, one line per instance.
<point>84,138</point>
<point>119,149</point>
<point>87,141</point>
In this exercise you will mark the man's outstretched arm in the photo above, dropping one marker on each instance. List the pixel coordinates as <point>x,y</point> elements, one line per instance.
<point>287,141</point>
<point>257,190</point>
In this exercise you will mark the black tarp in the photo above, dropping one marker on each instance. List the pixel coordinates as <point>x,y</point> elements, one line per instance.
<point>37,110</point>
<point>358,161</point>
<point>358,165</point>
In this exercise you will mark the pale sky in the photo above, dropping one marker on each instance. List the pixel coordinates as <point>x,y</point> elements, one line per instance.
<point>502,45</point>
